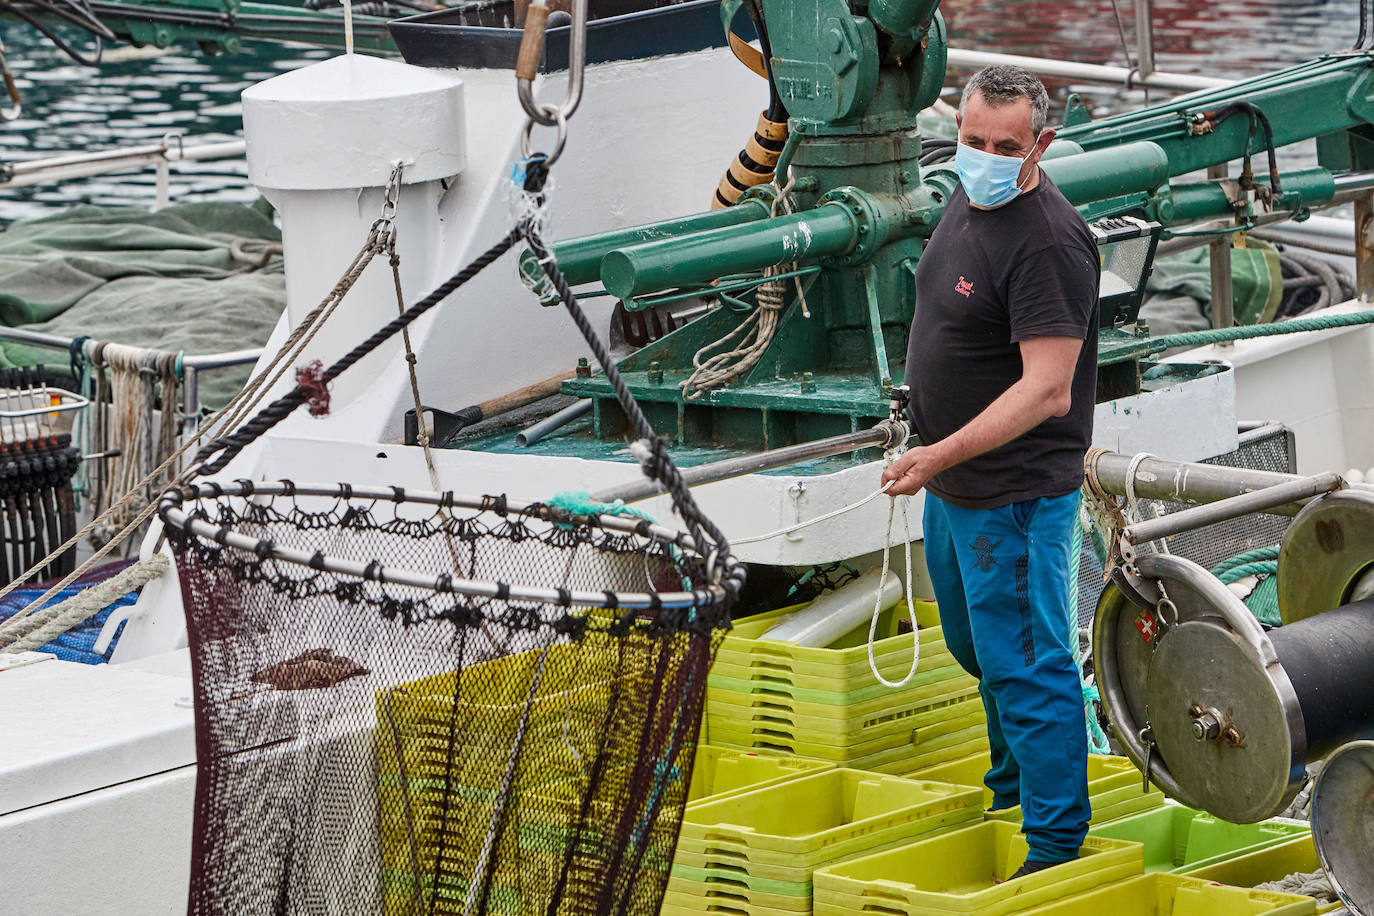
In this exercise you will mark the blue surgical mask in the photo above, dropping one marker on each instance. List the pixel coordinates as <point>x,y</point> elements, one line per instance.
<point>989,180</point>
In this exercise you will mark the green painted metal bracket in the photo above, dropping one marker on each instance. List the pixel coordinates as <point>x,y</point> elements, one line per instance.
<point>1075,112</point>
<point>882,375</point>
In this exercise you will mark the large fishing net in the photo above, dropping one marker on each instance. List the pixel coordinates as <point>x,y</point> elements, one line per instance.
<point>419,703</point>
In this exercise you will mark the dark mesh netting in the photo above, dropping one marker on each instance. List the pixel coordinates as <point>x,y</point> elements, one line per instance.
<point>390,742</point>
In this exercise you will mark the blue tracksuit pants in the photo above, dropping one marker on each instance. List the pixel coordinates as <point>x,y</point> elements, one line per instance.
<point>1001,577</point>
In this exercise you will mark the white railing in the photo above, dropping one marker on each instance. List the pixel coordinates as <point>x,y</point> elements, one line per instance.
<point>160,156</point>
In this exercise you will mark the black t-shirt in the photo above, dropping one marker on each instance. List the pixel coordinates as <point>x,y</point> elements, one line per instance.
<point>987,280</point>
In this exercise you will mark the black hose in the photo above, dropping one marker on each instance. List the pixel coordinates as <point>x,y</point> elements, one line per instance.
<point>1364,24</point>
<point>1310,283</point>
<point>1257,119</point>
<point>777,111</point>
<point>938,155</point>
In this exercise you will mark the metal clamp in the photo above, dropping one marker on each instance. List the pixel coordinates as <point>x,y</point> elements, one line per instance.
<point>173,138</point>
<point>531,49</point>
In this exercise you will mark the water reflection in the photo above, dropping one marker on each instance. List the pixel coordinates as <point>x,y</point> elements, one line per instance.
<point>139,95</point>
<point>136,97</point>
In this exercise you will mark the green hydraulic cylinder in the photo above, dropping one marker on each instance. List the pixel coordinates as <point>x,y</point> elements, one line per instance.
<point>1107,173</point>
<point>580,258</point>
<point>1194,202</point>
<point>847,227</point>
<point>829,230</point>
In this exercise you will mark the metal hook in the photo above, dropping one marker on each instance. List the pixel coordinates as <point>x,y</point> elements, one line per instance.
<point>560,121</point>
<point>392,194</point>
<point>532,49</point>
<point>173,136</point>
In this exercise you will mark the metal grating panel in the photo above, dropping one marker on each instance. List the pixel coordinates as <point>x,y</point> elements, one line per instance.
<point>1263,447</point>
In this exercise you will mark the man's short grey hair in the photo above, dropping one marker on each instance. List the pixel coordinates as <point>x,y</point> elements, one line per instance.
<point>1001,84</point>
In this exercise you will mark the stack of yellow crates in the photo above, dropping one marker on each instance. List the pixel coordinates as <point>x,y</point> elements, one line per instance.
<point>753,852</point>
<point>826,703</point>
<point>968,872</point>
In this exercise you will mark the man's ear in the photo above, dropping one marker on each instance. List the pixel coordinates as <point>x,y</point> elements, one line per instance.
<point>1042,143</point>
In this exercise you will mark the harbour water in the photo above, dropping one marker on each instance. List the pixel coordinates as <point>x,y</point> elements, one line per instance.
<point>140,95</point>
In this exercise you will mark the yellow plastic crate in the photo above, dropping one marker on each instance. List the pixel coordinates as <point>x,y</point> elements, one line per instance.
<point>823,664</point>
<point>1178,839</point>
<point>965,872</point>
<point>762,664</point>
<point>909,743</point>
<point>976,741</point>
<point>820,817</point>
<point>1260,866</point>
<point>444,786</point>
<point>757,709</point>
<point>718,771</point>
<point>841,667</point>
<point>686,897</point>
<point>728,684</point>
<point>1106,813</point>
<point>916,724</point>
<point>1113,786</point>
<point>736,856</point>
<point>1175,895</point>
<point>679,905</point>
<point>1104,772</point>
<point>895,761</point>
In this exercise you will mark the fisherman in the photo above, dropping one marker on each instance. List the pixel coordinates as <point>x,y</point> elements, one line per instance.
<point>1002,366</point>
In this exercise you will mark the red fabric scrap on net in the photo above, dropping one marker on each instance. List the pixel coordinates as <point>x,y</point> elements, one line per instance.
<point>310,378</point>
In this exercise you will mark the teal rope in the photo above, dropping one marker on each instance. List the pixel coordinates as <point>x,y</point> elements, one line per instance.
<point>1242,559</point>
<point>1259,568</point>
<point>580,502</point>
<point>1097,739</point>
<point>1245,332</point>
<point>1263,601</point>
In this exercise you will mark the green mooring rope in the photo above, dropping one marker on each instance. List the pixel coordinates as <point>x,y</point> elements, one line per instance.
<point>1263,601</point>
<point>1259,554</point>
<point>1245,332</point>
<point>1097,738</point>
<point>580,502</point>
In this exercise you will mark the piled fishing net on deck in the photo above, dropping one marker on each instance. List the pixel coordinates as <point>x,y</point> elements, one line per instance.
<point>367,746</point>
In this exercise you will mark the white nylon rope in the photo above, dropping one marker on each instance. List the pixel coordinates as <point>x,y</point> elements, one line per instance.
<point>910,605</point>
<point>888,457</point>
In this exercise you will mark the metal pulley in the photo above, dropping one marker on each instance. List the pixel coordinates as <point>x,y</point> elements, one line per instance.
<point>1342,825</point>
<point>1224,714</point>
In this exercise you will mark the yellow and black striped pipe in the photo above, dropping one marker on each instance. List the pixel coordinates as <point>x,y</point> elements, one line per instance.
<point>754,164</point>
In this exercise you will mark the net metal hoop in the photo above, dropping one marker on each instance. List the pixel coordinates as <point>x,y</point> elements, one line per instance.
<point>171,508</point>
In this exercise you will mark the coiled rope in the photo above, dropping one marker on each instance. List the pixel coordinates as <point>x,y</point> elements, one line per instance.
<point>730,357</point>
<point>42,627</point>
